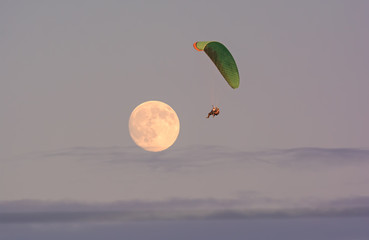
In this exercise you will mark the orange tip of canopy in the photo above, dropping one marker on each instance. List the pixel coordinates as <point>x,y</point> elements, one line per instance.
<point>195,46</point>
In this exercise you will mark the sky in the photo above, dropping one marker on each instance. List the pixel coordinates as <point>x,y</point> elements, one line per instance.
<point>287,157</point>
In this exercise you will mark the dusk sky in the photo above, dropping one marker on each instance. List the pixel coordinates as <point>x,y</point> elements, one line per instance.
<point>287,158</point>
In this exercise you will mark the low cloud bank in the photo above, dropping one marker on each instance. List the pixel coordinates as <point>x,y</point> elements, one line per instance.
<point>198,156</point>
<point>27,211</point>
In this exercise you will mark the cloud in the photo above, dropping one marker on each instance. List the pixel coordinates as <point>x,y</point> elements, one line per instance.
<point>201,156</point>
<point>26,211</point>
<point>213,177</point>
<point>101,216</point>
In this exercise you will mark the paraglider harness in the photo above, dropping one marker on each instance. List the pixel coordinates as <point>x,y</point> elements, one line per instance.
<point>214,112</point>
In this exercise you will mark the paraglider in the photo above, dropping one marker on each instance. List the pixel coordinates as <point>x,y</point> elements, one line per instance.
<point>224,61</point>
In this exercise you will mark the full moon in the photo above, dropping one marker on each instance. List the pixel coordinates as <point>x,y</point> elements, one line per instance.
<point>154,126</point>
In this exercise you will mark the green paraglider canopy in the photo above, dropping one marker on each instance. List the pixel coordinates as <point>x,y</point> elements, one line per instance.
<point>222,59</point>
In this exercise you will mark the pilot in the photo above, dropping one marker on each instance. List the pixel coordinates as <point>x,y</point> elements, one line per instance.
<point>214,112</point>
